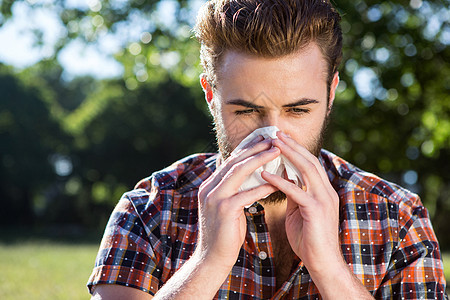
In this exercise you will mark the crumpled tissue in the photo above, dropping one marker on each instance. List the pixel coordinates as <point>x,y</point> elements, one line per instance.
<point>276,166</point>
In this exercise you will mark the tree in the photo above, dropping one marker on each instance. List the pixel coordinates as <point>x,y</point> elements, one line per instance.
<point>31,141</point>
<point>136,133</point>
<point>391,115</point>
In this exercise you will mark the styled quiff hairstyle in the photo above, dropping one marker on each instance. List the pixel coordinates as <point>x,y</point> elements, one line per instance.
<point>270,29</point>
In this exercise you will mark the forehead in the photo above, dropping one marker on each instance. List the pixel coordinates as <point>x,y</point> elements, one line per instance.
<point>304,71</point>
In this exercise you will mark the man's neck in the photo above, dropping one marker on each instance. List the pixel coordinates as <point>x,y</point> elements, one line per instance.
<point>275,214</point>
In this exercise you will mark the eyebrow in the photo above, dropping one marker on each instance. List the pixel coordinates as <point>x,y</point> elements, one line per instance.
<point>244,103</point>
<point>301,102</point>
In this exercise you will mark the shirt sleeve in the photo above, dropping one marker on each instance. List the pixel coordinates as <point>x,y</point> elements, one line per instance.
<point>127,255</point>
<point>415,269</point>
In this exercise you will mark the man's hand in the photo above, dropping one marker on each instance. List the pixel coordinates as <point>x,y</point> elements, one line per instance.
<point>312,223</point>
<point>221,206</point>
<point>222,223</point>
<point>312,216</point>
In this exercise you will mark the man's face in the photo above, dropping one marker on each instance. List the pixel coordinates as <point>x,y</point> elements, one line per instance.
<point>288,92</point>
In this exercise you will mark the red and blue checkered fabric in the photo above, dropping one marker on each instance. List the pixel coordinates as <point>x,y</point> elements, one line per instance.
<point>386,237</point>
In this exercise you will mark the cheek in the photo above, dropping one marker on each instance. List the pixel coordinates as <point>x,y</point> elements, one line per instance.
<point>307,130</point>
<point>231,129</point>
<point>238,126</point>
<point>237,131</point>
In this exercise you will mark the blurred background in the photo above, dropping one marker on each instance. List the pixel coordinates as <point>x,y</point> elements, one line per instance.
<point>95,95</point>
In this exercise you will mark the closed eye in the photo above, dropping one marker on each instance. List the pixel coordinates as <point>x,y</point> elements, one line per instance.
<point>298,110</point>
<point>246,111</point>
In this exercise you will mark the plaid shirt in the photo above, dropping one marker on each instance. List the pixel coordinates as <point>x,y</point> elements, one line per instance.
<point>385,233</point>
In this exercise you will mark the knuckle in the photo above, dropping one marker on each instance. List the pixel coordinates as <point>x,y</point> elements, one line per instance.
<point>203,186</point>
<point>235,169</point>
<point>205,196</point>
<point>223,207</point>
<point>261,145</point>
<point>203,190</point>
<point>233,157</point>
<point>209,205</point>
<point>227,175</point>
<point>221,170</point>
<point>310,165</point>
<point>249,150</point>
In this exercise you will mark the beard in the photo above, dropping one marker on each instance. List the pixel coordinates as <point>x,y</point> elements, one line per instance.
<point>226,140</point>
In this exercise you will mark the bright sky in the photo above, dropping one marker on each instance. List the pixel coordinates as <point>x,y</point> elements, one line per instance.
<point>77,58</point>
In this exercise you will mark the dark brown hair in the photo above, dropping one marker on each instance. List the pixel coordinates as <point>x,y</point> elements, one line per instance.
<point>270,28</point>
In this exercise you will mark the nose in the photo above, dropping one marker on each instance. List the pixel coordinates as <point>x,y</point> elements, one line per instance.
<point>271,118</point>
<point>275,118</point>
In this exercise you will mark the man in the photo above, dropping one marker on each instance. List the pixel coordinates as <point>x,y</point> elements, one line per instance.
<point>189,232</point>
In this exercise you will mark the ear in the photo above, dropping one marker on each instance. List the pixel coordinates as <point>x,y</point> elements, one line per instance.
<point>207,89</point>
<point>333,86</point>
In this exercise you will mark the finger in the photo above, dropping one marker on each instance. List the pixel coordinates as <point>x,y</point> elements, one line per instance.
<point>302,150</point>
<point>300,184</point>
<point>248,145</point>
<point>292,143</point>
<point>309,173</point>
<point>257,145</point>
<point>316,181</point>
<point>314,177</point>
<point>233,179</point>
<point>291,206</point>
<point>291,190</point>
<point>250,196</point>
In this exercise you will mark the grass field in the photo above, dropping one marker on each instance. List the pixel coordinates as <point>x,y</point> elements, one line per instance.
<point>48,269</point>
<point>446,259</point>
<point>45,270</point>
<point>46,263</point>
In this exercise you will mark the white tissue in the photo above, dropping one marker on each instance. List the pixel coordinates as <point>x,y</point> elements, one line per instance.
<point>276,166</point>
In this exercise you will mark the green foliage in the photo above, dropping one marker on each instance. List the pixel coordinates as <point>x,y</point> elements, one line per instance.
<point>29,136</point>
<point>409,59</point>
<point>400,129</point>
<point>110,140</point>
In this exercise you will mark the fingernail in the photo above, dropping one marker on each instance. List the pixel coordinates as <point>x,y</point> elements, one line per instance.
<point>266,173</point>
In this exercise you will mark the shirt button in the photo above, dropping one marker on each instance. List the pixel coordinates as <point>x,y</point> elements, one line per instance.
<point>252,210</point>
<point>262,255</point>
